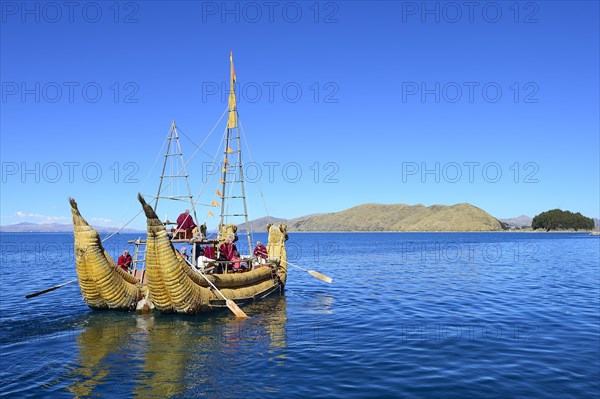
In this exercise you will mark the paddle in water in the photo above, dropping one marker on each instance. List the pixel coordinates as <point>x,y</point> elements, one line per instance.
<point>49,289</point>
<point>313,273</point>
<point>230,304</point>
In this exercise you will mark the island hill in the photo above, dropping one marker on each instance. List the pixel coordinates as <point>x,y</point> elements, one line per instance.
<point>393,217</point>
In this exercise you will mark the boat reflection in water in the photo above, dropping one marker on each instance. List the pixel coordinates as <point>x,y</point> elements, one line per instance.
<point>164,356</point>
<point>100,343</point>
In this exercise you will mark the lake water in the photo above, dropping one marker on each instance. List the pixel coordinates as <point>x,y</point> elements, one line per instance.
<point>445,315</point>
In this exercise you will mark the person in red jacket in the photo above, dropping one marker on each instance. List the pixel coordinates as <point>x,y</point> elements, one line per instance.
<point>228,248</point>
<point>125,261</point>
<point>185,221</point>
<point>260,252</point>
<point>185,225</point>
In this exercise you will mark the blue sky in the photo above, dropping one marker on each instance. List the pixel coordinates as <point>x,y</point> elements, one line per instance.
<point>372,102</point>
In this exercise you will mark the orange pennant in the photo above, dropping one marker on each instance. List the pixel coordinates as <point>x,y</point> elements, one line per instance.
<point>229,150</point>
<point>221,181</point>
<point>210,214</point>
<point>215,203</point>
<point>219,193</point>
<point>227,162</point>
<point>224,169</point>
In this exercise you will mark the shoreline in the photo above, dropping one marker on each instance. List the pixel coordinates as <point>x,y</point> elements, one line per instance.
<point>455,231</point>
<point>591,232</point>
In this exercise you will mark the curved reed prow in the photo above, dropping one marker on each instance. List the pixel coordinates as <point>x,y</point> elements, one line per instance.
<point>103,285</point>
<point>276,247</point>
<point>171,282</point>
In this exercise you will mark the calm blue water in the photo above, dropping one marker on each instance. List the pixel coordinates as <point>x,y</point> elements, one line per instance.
<point>491,315</point>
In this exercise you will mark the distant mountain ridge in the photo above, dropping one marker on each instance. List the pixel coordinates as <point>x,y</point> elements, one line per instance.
<point>55,228</point>
<point>519,221</point>
<point>260,224</point>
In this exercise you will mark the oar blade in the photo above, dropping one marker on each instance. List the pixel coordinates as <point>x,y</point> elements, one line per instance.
<point>230,304</point>
<point>236,309</point>
<point>321,276</point>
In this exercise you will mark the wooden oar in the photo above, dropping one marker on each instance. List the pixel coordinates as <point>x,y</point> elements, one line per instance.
<point>49,289</point>
<point>313,273</point>
<point>230,304</point>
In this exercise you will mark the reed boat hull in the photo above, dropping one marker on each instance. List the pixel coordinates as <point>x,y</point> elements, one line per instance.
<point>103,284</point>
<point>176,288</point>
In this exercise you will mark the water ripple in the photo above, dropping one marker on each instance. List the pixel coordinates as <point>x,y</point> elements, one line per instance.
<point>432,315</point>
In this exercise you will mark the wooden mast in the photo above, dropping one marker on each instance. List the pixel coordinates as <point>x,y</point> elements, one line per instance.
<point>233,133</point>
<point>174,150</point>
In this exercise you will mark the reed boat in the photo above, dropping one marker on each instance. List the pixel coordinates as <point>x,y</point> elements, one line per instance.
<point>159,277</point>
<point>103,284</point>
<point>176,287</point>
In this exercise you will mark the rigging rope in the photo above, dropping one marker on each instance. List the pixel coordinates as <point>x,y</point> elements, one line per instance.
<point>258,181</point>
<point>207,137</point>
<point>171,179</point>
<point>195,152</point>
<point>132,203</point>
<point>214,161</point>
<point>118,231</point>
<point>209,180</point>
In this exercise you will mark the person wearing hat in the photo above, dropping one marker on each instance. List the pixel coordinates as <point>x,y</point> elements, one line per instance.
<point>260,252</point>
<point>184,253</point>
<point>125,261</point>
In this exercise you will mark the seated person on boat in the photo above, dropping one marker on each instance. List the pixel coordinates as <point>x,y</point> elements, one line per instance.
<point>184,254</point>
<point>260,252</point>
<point>227,250</point>
<point>238,265</point>
<point>185,225</point>
<point>202,260</point>
<point>125,261</point>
